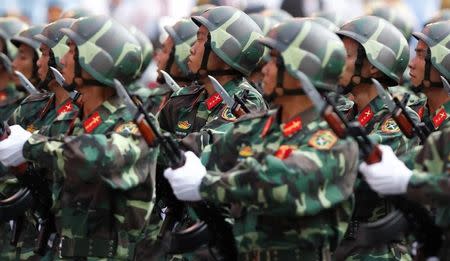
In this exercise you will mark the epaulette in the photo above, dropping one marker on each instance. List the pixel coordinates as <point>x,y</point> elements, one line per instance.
<point>37,97</point>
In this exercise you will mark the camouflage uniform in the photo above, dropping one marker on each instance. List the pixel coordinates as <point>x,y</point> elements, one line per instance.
<point>113,161</point>
<point>390,56</point>
<point>289,184</point>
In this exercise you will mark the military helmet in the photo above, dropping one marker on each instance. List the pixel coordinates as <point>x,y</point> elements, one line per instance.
<point>199,9</point>
<point>385,46</point>
<point>309,47</point>
<point>54,38</point>
<point>331,16</point>
<point>400,19</point>
<point>264,22</point>
<point>441,15</point>
<point>435,35</point>
<point>146,47</point>
<point>27,37</point>
<point>322,21</point>
<point>183,34</point>
<point>277,14</point>
<point>9,27</point>
<point>106,49</point>
<point>233,37</point>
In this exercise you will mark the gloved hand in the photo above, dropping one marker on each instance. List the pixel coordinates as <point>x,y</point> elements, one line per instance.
<point>389,176</point>
<point>11,148</point>
<point>185,181</point>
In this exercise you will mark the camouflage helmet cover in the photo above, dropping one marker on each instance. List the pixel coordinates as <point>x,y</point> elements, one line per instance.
<point>277,14</point>
<point>385,46</point>
<point>322,21</point>
<point>309,47</point>
<point>27,37</point>
<point>233,37</point>
<point>264,22</point>
<point>183,34</point>
<point>401,20</point>
<point>9,27</point>
<point>54,38</point>
<point>437,37</point>
<point>146,47</point>
<point>106,49</point>
<point>331,16</point>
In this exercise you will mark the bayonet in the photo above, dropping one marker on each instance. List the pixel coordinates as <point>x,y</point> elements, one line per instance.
<point>446,84</point>
<point>6,63</point>
<point>170,81</point>
<point>123,95</point>
<point>236,106</point>
<point>73,94</point>
<point>384,95</point>
<point>26,83</point>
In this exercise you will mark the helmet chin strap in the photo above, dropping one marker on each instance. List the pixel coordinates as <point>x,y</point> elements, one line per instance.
<point>357,78</point>
<point>280,79</point>
<point>73,85</point>
<point>426,82</point>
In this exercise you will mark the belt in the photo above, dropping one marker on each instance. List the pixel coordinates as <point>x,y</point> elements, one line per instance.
<point>285,254</point>
<point>84,247</point>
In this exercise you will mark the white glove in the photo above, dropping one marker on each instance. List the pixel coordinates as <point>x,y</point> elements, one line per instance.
<point>11,148</point>
<point>185,181</point>
<point>389,176</point>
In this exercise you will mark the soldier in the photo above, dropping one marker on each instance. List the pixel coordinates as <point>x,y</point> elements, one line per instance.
<point>287,176</point>
<point>371,54</point>
<point>426,68</point>
<point>10,96</point>
<point>102,183</point>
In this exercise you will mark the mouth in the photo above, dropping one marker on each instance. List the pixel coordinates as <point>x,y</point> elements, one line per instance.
<point>411,75</point>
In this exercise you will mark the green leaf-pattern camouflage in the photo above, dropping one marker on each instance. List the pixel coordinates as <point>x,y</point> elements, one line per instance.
<point>106,50</point>
<point>278,14</point>
<point>233,37</point>
<point>284,204</point>
<point>55,39</point>
<point>399,18</point>
<point>27,37</point>
<point>9,27</point>
<point>183,34</point>
<point>146,47</point>
<point>10,99</point>
<point>436,36</point>
<point>310,48</point>
<point>385,46</point>
<point>114,171</point>
<point>264,22</point>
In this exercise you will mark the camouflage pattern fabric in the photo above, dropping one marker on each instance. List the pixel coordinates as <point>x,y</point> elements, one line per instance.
<point>153,99</point>
<point>417,100</point>
<point>10,98</point>
<point>290,185</point>
<point>402,19</point>
<point>114,173</point>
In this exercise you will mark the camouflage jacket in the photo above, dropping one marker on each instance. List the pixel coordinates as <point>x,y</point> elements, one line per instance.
<point>109,162</point>
<point>290,185</point>
<point>10,98</point>
<point>190,109</point>
<point>416,101</point>
<point>153,99</point>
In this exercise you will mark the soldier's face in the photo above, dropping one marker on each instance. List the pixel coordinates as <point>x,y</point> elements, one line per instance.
<point>270,71</point>
<point>417,66</point>
<point>42,62</point>
<point>351,47</point>
<point>23,62</point>
<point>68,63</point>
<point>162,57</point>
<point>198,49</point>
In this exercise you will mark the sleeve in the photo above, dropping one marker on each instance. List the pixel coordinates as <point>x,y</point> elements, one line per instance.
<point>305,183</point>
<point>122,161</point>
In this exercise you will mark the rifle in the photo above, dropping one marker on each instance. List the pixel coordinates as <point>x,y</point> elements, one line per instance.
<point>397,109</point>
<point>216,227</point>
<point>416,216</point>
<point>35,195</point>
<point>236,105</point>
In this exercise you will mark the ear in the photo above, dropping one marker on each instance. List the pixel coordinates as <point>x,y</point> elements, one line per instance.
<point>374,72</point>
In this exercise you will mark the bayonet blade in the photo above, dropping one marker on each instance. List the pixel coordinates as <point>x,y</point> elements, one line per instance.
<point>6,63</point>
<point>123,94</point>
<point>222,92</point>
<point>26,83</point>
<point>170,81</point>
<point>311,91</point>
<point>384,95</point>
<point>446,84</point>
<point>58,76</point>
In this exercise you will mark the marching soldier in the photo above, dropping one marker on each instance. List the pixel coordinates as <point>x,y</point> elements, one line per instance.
<point>102,169</point>
<point>287,176</point>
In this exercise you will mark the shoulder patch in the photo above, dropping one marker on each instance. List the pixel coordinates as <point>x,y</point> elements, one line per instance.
<point>389,126</point>
<point>31,128</point>
<point>323,140</point>
<point>227,115</point>
<point>129,128</point>
<point>284,151</point>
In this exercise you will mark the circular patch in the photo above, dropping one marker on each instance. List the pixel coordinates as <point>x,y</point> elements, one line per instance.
<point>390,126</point>
<point>323,140</point>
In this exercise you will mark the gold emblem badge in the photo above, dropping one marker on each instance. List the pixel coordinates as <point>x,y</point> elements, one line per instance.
<point>323,140</point>
<point>31,128</point>
<point>184,125</point>
<point>389,126</point>
<point>246,151</point>
<point>227,115</point>
<point>128,127</point>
